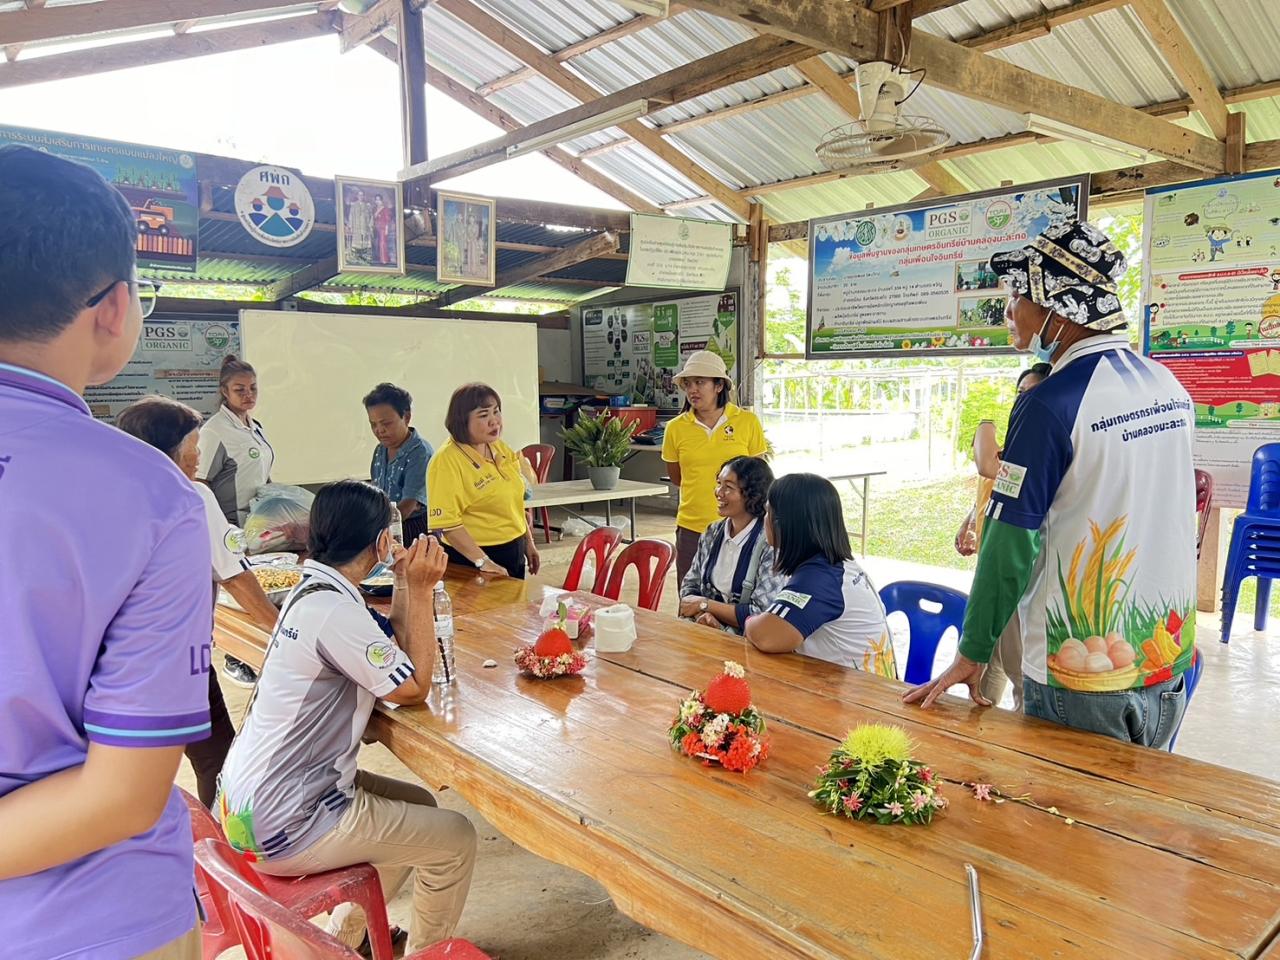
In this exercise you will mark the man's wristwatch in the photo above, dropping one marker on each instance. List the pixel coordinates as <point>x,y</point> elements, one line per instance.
<point>481,562</point>
<point>702,607</point>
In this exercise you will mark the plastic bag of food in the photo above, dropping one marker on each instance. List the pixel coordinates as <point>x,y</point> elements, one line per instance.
<point>278,522</point>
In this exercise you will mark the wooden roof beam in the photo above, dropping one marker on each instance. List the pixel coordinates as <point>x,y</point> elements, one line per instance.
<point>624,29</point>
<point>56,23</point>
<point>309,276</point>
<point>748,59</point>
<point>498,33</point>
<point>121,56</point>
<point>577,252</point>
<point>922,7</point>
<point>1188,65</point>
<point>478,105</point>
<point>851,31</point>
<point>1040,25</point>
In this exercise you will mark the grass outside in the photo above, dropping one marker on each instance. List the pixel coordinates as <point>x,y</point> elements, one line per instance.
<point>917,522</point>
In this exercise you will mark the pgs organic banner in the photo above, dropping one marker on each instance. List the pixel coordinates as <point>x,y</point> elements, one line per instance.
<point>174,358</point>
<point>918,276</point>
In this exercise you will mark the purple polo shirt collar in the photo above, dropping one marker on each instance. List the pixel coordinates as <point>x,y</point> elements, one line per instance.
<point>36,382</point>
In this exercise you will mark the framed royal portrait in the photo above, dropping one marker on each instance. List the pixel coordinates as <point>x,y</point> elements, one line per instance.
<point>370,225</point>
<point>466,239</point>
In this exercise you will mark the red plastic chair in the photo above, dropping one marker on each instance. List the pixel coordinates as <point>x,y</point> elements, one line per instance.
<point>270,931</point>
<point>540,457</point>
<point>652,559</point>
<point>601,542</point>
<point>1204,503</point>
<point>306,896</point>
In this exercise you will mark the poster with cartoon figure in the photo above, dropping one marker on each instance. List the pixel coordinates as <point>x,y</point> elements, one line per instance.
<point>1211,305</point>
<point>918,276</point>
<point>637,349</point>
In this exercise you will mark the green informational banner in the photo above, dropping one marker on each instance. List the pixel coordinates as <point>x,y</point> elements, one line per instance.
<point>666,333</point>
<point>160,185</point>
<point>918,276</point>
<point>638,348</point>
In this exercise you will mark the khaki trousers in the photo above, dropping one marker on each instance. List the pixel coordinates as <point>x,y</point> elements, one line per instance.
<point>186,947</point>
<point>399,829</point>
<point>1005,666</point>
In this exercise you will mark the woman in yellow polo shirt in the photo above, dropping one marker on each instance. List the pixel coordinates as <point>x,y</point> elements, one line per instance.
<point>476,488</point>
<point>710,432</point>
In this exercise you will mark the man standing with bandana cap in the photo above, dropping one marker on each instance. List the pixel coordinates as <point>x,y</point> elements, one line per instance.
<point>1090,533</point>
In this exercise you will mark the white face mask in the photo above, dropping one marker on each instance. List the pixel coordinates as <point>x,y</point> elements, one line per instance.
<point>1036,348</point>
<point>388,557</point>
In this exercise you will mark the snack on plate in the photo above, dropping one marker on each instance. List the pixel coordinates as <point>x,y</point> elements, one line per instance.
<point>274,579</point>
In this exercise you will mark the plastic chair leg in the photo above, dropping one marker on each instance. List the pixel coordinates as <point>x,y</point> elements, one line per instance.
<point>1231,581</point>
<point>1263,602</point>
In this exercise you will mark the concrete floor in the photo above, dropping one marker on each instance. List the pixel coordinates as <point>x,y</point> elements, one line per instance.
<point>522,907</point>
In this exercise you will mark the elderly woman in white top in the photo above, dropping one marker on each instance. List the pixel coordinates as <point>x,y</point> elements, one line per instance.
<point>733,575</point>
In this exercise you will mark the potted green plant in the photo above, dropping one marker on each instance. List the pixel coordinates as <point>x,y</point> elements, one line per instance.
<point>602,442</point>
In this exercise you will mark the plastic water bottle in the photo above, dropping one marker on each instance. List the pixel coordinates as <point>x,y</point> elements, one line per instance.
<point>443,671</point>
<point>397,525</point>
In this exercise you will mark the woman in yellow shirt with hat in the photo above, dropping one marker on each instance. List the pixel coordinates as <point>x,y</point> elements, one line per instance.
<point>710,432</point>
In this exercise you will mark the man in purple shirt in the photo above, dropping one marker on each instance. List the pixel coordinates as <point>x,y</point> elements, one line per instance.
<point>104,596</point>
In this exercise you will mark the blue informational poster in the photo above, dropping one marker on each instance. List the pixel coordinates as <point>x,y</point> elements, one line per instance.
<point>160,185</point>
<point>917,276</point>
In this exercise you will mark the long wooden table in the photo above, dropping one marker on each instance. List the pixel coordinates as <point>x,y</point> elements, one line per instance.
<point>1116,852</point>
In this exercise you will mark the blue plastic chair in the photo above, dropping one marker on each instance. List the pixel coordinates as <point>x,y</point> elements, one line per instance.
<point>927,627</point>
<point>1255,540</point>
<point>1192,677</point>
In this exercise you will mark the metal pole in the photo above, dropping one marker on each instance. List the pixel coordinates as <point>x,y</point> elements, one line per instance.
<point>975,911</point>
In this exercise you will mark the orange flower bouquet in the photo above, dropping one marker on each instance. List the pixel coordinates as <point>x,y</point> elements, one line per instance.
<point>551,656</point>
<point>720,725</point>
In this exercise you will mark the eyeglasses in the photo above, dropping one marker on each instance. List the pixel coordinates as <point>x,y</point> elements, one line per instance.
<point>148,293</point>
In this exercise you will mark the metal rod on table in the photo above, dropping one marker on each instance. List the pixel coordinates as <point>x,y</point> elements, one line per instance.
<point>975,911</point>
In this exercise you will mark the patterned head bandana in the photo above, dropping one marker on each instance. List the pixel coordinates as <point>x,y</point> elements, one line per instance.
<point>1072,269</point>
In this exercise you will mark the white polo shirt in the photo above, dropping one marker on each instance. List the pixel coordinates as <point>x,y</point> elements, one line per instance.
<point>226,543</point>
<point>727,560</point>
<point>235,460</point>
<point>291,770</point>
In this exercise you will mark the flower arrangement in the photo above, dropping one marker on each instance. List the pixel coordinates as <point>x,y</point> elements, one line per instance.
<point>871,776</point>
<point>721,726</point>
<point>552,655</point>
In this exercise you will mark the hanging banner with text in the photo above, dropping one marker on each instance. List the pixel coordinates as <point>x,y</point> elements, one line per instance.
<point>160,185</point>
<point>677,254</point>
<point>637,349</point>
<point>174,358</point>
<point>1211,304</point>
<point>918,276</point>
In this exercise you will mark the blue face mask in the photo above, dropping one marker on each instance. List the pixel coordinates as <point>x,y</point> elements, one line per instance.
<point>1036,348</point>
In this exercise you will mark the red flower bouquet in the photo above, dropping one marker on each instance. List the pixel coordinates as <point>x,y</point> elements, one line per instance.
<point>721,726</point>
<point>551,656</point>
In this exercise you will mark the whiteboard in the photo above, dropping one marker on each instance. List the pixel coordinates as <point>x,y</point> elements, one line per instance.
<point>315,368</point>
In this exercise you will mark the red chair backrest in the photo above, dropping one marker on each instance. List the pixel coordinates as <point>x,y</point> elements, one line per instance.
<point>203,825</point>
<point>1204,503</point>
<point>601,542</point>
<point>268,930</point>
<point>540,457</point>
<point>652,559</point>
